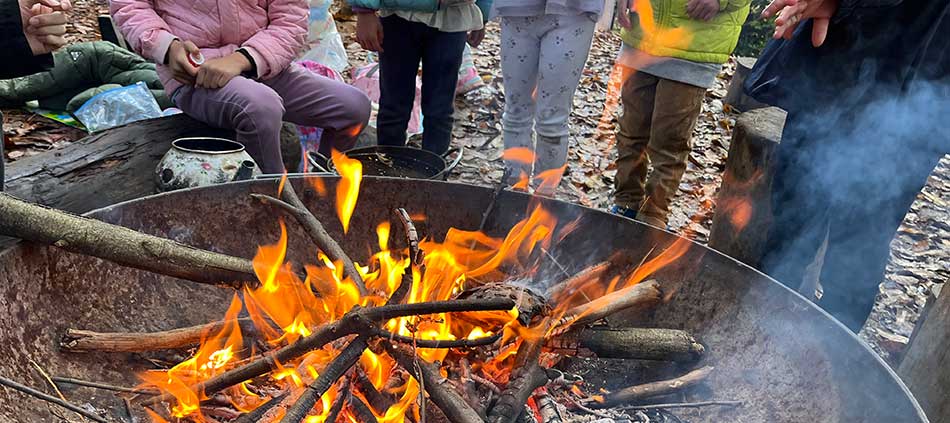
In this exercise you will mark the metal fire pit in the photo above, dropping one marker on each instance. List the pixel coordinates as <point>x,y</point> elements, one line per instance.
<point>786,359</point>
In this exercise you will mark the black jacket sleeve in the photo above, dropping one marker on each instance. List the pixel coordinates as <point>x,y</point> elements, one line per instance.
<point>16,58</point>
<point>846,8</point>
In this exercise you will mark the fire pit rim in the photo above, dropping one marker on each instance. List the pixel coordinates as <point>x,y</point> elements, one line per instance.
<point>10,247</point>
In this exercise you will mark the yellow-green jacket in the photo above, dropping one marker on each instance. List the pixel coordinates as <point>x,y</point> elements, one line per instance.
<point>675,34</point>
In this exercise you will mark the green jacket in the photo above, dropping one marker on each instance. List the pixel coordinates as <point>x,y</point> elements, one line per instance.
<point>675,34</point>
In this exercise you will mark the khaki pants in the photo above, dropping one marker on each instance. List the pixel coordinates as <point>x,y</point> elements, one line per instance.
<point>655,128</point>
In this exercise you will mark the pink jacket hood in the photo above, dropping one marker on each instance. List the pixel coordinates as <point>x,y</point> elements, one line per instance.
<point>272,31</point>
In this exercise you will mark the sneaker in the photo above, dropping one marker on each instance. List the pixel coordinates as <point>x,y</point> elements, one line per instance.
<point>623,211</point>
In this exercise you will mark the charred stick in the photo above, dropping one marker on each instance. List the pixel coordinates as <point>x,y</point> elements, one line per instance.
<point>76,340</point>
<point>291,203</point>
<point>334,371</point>
<point>412,236</point>
<point>120,245</point>
<point>633,343</point>
<point>50,399</point>
<point>357,321</point>
<point>683,405</point>
<point>377,400</point>
<point>652,389</point>
<point>548,408</point>
<point>255,415</point>
<point>525,378</point>
<point>565,289</point>
<point>363,413</point>
<point>641,295</point>
<point>440,391</point>
<point>104,386</point>
<point>437,343</point>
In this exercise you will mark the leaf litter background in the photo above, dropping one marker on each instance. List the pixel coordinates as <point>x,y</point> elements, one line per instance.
<point>918,264</point>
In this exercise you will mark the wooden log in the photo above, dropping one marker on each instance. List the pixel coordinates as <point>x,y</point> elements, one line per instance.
<point>736,96</point>
<point>103,169</point>
<point>652,389</point>
<point>440,391</point>
<point>923,367</point>
<point>526,376</point>
<point>77,340</point>
<point>120,245</point>
<point>743,207</point>
<point>629,343</point>
<point>642,295</point>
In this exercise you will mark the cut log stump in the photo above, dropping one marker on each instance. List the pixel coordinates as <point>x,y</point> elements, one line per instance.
<point>735,96</point>
<point>743,209</point>
<point>924,366</point>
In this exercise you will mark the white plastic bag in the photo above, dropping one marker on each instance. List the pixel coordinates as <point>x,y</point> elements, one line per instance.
<point>324,43</point>
<point>118,107</point>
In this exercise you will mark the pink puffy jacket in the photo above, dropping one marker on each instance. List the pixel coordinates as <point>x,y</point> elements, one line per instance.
<point>272,31</point>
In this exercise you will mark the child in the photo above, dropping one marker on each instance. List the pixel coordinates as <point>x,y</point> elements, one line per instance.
<point>544,46</point>
<point>403,36</point>
<point>228,63</point>
<point>669,62</point>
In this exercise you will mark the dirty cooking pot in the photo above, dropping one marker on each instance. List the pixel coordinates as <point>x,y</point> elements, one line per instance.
<point>396,161</point>
<point>202,161</point>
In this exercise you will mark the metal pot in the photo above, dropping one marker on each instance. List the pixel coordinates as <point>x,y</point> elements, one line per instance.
<point>202,161</point>
<point>396,161</point>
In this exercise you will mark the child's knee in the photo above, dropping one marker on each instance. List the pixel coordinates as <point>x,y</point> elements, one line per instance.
<point>357,107</point>
<point>264,113</point>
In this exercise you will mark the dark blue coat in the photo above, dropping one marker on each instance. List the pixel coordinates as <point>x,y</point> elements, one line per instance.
<point>15,55</point>
<point>873,46</point>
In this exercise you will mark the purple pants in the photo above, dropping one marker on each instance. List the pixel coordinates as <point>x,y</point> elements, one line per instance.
<point>256,109</point>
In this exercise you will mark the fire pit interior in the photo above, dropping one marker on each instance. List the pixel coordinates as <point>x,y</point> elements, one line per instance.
<point>763,349</point>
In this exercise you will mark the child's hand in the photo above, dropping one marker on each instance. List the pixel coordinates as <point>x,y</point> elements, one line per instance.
<point>369,32</point>
<point>475,37</point>
<point>216,73</point>
<point>177,61</point>
<point>702,10</point>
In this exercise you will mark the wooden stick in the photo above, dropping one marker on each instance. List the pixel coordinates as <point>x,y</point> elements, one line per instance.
<point>255,415</point>
<point>548,408</point>
<point>334,371</point>
<point>51,399</point>
<point>362,411</point>
<point>120,245</point>
<point>526,376</point>
<point>652,389</point>
<point>683,405</point>
<point>377,400</point>
<point>76,340</point>
<point>105,386</point>
<point>560,291</point>
<point>291,203</point>
<point>438,343</point>
<point>440,391</point>
<point>642,295</point>
<point>628,343</point>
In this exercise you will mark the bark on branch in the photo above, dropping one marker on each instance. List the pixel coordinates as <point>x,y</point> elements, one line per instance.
<point>120,245</point>
<point>77,340</point>
<point>440,391</point>
<point>628,343</point>
<point>652,389</point>
<point>642,295</point>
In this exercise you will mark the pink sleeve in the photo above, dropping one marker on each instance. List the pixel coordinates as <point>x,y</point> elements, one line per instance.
<point>146,32</point>
<point>277,45</point>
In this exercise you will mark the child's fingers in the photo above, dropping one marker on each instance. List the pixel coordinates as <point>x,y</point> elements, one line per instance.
<point>190,47</point>
<point>775,6</point>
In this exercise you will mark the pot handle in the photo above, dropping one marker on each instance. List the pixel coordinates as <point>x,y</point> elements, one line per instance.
<point>451,166</point>
<point>318,161</point>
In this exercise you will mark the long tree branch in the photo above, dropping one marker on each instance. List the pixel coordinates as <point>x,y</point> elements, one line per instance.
<point>652,389</point>
<point>50,399</point>
<point>76,340</point>
<point>291,203</point>
<point>120,245</point>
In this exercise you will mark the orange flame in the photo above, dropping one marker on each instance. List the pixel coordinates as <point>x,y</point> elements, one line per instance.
<point>521,155</point>
<point>348,191</point>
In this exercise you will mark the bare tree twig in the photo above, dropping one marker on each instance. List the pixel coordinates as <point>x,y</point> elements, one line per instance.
<point>50,399</point>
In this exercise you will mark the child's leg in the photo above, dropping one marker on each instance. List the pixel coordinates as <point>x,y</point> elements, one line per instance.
<point>398,67</point>
<point>637,99</point>
<point>441,60</point>
<point>312,100</point>
<point>252,109</point>
<point>520,49</point>
<point>564,52</point>
<point>674,115</point>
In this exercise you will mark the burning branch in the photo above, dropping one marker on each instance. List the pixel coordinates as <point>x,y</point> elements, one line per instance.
<point>290,203</point>
<point>526,376</point>
<point>652,389</point>
<point>644,294</point>
<point>256,415</point>
<point>455,408</point>
<point>120,245</point>
<point>76,340</point>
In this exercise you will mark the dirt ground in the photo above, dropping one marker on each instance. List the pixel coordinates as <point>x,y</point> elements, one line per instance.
<point>919,254</point>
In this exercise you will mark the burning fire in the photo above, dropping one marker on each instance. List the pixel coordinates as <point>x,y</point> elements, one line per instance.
<point>288,306</point>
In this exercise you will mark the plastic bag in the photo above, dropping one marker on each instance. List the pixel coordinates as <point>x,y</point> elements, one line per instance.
<point>469,79</point>
<point>118,107</point>
<point>324,43</point>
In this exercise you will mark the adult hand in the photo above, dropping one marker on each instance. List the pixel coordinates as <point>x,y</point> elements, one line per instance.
<point>44,24</point>
<point>216,73</point>
<point>623,13</point>
<point>475,37</point>
<point>369,32</point>
<point>177,60</point>
<point>702,10</point>
<point>792,12</point>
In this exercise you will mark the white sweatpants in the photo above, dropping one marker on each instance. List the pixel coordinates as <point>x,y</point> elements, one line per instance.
<point>542,59</point>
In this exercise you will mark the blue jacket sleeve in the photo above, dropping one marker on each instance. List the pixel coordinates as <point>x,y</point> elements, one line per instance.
<point>847,8</point>
<point>485,7</point>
